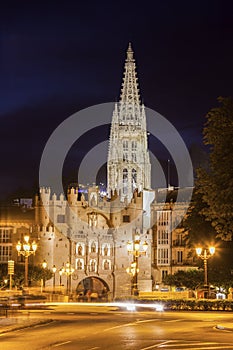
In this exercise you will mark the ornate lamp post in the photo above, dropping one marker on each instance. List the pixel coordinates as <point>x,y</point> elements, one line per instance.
<point>68,270</point>
<point>132,271</point>
<point>61,271</point>
<point>134,248</point>
<point>44,265</point>
<point>26,249</point>
<point>54,269</point>
<point>205,255</point>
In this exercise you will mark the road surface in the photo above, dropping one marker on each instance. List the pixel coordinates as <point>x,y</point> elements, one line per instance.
<point>93,327</point>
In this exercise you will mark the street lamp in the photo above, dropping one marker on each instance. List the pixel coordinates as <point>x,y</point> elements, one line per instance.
<point>132,270</point>
<point>44,265</point>
<point>61,271</point>
<point>133,247</point>
<point>205,255</point>
<point>26,249</point>
<point>54,269</point>
<point>68,270</point>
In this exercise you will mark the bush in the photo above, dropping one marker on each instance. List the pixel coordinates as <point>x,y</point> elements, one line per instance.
<point>194,304</point>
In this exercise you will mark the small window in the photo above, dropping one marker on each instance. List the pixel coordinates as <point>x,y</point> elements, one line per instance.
<point>180,256</point>
<point>61,218</point>
<point>126,218</point>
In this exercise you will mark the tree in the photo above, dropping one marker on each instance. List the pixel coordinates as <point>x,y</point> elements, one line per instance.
<point>189,279</point>
<point>216,184</point>
<point>35,274</point>
<point>199,229</point>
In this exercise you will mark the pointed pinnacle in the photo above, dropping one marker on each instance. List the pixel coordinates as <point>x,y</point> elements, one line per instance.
<point>130,53</point>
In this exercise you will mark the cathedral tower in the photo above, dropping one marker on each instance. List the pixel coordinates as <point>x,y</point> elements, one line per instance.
<point>128,166</point>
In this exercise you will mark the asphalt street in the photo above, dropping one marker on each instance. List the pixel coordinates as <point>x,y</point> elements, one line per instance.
<point>91,327</point>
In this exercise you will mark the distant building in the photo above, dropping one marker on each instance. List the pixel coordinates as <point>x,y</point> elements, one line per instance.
<point>15,221</point>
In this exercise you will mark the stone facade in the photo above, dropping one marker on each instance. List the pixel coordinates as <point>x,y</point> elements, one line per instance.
<point>92,234</point>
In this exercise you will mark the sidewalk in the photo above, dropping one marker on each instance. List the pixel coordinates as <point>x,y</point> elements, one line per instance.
<point>15,322</point>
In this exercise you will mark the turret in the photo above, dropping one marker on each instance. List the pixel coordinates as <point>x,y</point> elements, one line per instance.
<point>44,207</point>
<point>72,196</point>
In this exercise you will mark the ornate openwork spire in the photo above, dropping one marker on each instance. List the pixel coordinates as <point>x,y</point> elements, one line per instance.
<point>128,157</point>
<point>130,91</point>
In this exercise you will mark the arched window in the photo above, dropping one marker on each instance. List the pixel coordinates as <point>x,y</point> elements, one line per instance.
<point>125,145</point>
<point>134,157</point>
<point>134,178</point>
<point>134,146</point>
<point>125,180</point>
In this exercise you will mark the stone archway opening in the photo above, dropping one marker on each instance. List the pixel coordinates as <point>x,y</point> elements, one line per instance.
<point>92,289</point>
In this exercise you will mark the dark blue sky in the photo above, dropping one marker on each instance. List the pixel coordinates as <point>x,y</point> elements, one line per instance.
<point>59,57</point>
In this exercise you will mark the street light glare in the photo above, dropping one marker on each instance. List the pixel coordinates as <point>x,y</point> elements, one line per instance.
<point>18,246</point>
<point>129,246</point>
<point>26,238</point>
<point>198,250</point>
<point>34,246</point>
<point>212,250</point>
<point>145,246</point>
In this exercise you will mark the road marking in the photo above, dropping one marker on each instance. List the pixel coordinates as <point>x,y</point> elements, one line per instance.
<point>178,320</point>
<point>65,342</point>
<point>145,321</point>
<point>153,346</point>
<point>96,347</point>
<point>195,345</point>
<point>120,326</point>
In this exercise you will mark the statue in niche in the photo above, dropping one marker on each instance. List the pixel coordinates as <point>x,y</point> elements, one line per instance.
<point>93,247</point>
<point>106,265</point>
<point>80,250</point>
<point>105,250</point>
<point>93,265</point>
<point>79,265</point>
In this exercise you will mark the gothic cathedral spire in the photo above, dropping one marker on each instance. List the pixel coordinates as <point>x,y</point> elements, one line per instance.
<point>128,166</point>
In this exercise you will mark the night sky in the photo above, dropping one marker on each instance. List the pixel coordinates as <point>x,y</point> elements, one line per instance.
<point>57,58</point>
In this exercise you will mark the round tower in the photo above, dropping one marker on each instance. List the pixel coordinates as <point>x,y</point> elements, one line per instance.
<point>44,206</point>
<point>45,228</point>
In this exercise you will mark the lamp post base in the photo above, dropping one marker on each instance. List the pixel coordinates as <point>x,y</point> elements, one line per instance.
<point>135,292</point>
